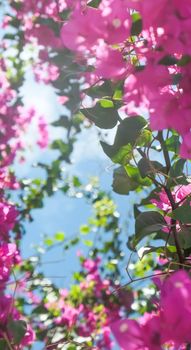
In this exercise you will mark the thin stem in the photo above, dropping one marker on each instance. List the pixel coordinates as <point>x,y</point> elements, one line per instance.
<point>7,341</point>
<point>165,151</point>
<point>174,205</point>
<point>150,177</point>
<point>177,244</point>
<point>173,225</point>
<point>142,279</point>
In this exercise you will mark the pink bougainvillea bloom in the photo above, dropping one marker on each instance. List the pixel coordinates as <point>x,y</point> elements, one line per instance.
<point>8,216</point>
<point>179,193</point>
<point>117,20</point>
<point>151,12</point>
<point>43,139</point>
<point>68,316</point>
<point>45,72</point>
<point>185,149</point>
<point>176,321</point>
<point>9,312</point>
<point>128,334</point>
<point>63,99</point>
<point>8,180</point>
<point>91,265</point>
<point>29,336</point>
<point>170,327</point>
<point>110,63</point>
<point>81,32</point>
<point>9,256</point>
<point>44,35</point>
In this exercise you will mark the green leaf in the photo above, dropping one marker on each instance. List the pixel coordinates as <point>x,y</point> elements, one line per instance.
<point>71,347</point>
<point>147,250</point>
<point>76,182</point>
<point>94,3</point>
<point>136,210</point>
<point>88,243</point>
<point>168,60</point>
<point>17,329</point>
<point>84,229</point>
<point>182,213</point>
<point>126,179</point>
<point>147,167</point>
<point>59,236</point>
<point>177,168</point>
<point>121,182</point>
<point>100,91</point>
<point>184,60</point>
<point>173,143</point>
<point>48,241</point>
<point>147,223</point>
<point>124,155</point>
<point>118,94</point>
<point>106,103</point>
<point>128,131</point>
<point>3,345</point>
<point>137,24</point>
<point>184,237</point>
<point>145,138</point>
<point>60,145</point>
<point>104,118</point>
<point>134,174</point>
<point>63,121</point>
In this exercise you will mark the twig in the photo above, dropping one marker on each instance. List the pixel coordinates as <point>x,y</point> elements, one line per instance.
<point>7,341</point>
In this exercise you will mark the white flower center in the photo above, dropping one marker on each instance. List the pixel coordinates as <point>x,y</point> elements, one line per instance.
<point>116,23</point>
<point>123,328</point>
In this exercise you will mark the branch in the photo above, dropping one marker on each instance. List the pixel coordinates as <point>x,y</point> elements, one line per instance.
<point>173,225</point>
<point>165,151</point>
<point>7,341</point>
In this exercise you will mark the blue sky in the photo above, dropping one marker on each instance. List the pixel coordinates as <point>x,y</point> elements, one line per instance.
<point>61,213</point>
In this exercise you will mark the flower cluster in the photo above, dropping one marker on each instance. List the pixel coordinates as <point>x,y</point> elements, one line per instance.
<point>167,328</point>
<point>180,194</point>
<point>13,122</point>
<point>8,216</point>
<point>90,318</point>
<point>9,312</point>
<point>154,62</point>
<point>9,256</point>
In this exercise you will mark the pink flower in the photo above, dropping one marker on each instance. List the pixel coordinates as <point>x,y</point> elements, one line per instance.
<point>117,20</point>
<point>68,316</point>
<point>9,312</point>
<point>63,99</point>
<point>44,35</point>
<point>170,326</point>
<point>45,72</point>
<point>128,334</point>
<point>9,257</point>
<point>91,265</point>
<point>8,216</point>
<point>81,32</point>
<point>185,149</point>
<point>110,63</point>
<point>43,139</point>
<point>179,193</point>
<point>29,336</point>
<point>176,321</point>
